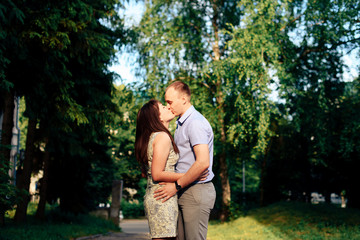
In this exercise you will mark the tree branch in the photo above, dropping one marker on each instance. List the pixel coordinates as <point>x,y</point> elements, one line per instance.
<point>291,22</point>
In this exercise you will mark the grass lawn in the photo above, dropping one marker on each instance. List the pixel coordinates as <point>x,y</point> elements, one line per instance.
<point>290,220</point>
<point>57,226</point>
<point>285,220</point>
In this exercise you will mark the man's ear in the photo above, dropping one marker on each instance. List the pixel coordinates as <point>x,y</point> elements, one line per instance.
<point>184,99</point>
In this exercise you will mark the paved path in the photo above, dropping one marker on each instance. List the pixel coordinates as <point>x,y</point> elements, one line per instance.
<point>132,229</point>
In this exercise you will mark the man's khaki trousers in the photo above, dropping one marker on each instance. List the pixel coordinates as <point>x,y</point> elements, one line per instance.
<point>195,205</point>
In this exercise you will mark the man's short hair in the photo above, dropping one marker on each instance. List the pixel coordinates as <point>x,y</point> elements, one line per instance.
<point>180,87</point>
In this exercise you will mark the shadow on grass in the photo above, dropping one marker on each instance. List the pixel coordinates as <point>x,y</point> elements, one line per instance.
<point>296,220</point>
<point>57,225</point>
<point>291,220</point>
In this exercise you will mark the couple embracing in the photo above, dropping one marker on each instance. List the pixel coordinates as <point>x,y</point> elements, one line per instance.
<point>179,194</point>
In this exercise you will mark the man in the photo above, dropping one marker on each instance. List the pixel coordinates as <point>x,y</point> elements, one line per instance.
<point>194,138</point>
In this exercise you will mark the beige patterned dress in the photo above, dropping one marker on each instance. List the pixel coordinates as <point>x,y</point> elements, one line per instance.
<point>162,217</point>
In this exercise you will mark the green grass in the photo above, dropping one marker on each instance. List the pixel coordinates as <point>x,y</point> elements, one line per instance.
<point>286,220</point>
<point>57,226</point>
<point>291,221</point>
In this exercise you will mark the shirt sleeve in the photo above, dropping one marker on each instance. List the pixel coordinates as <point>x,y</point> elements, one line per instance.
<point>198,132</point>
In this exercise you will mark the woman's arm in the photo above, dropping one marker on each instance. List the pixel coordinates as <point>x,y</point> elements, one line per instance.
<point>161,150</point>
<point>198,171</point>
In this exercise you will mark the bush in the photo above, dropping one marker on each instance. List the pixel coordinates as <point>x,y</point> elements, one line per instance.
<point>8,192</point>
<point>132,210</point>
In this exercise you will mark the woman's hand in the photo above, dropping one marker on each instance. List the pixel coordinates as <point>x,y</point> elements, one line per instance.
<point>204,175</point>
<point>166,191</point>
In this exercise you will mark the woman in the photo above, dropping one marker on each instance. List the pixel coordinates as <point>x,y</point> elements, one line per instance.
<point>157,154</point>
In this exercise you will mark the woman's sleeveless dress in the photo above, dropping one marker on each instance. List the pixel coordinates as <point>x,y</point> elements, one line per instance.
<point>162,217</point>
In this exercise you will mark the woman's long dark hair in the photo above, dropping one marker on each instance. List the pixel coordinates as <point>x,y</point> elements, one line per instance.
<point>148,121</point>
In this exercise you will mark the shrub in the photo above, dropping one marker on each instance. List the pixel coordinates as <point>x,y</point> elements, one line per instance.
<point>8,192</point>
<point>132,209</point>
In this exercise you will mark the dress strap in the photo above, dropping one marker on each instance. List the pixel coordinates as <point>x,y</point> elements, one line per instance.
<point>152,136</point>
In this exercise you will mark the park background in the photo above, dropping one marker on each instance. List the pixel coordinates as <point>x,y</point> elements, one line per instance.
<point>277,80</point>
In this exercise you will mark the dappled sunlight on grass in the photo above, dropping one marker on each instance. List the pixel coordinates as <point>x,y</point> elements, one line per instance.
<point>291,221</point>
<point>31,210</point>
<point>241,228</point>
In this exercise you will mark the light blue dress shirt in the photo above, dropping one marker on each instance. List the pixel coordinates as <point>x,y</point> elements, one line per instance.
<point>193,129</point>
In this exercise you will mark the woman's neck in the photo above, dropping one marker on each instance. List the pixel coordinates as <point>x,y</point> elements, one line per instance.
<point>166,124</point>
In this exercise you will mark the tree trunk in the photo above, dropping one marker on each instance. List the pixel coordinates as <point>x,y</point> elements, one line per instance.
<point>24,179</point>
<point>262,179</point>
<point>224,176</point>
<point>263,171</point>
<point>40,213</point>
<point>6,136</point>
<point>225,185</point>
<point>116,195</point>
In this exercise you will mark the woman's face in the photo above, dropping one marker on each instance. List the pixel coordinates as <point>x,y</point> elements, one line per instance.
<point>165,113</point>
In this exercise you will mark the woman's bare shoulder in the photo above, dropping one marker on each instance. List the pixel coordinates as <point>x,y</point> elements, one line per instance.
<point>162,138</point>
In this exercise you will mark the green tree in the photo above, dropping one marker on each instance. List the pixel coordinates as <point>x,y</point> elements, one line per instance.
<point>63,50</point>
<point>317,36</point>
<point>224,50</point>
<point>349,143</point>
<point>10,15</point>
<point>129,100</point>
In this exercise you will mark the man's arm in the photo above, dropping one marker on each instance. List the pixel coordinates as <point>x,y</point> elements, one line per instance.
<point>201,164</point>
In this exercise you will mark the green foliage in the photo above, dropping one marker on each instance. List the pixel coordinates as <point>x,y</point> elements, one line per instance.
<point>83,155</point>
<point>252,55</point>
<point>10,14</point>
<point>229,52</point>
<point>286,220</point>
<point>132,209</point>
<point>8,192</point>
<point>23,123</point>
<point>226,52</point>
<point>312,82</point>
<point>349,135</point>
<point>349,142</point>
<point>63,50</point>
<point>122,131</point>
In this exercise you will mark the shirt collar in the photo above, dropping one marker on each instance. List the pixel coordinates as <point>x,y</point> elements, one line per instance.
<point>185,116</point>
